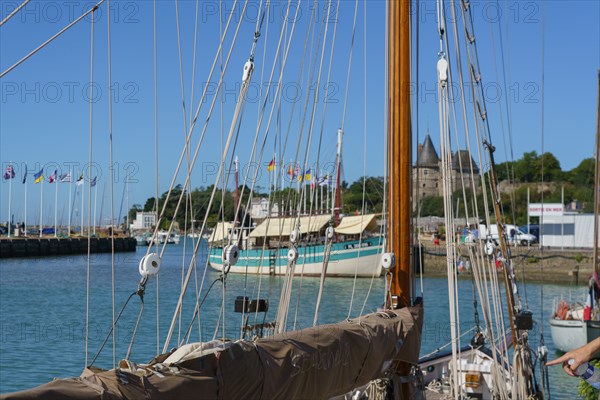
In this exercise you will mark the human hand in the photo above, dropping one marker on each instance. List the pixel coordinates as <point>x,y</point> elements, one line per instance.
<point>579,356</point>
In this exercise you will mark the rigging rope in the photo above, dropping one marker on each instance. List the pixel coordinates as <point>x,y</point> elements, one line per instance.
<point>328,240</point>
<point>301,69</point>
<point>155,51</point>
<point>88,270</point>
<point>15,11</point>
<point>253,152</point>
<point>112,201</point>
<point>304,194</point>
<point>542,350</point>
<point>183,152</point>
<point>41,46</point>
<point>258,283</point>
<point>483,279</point>
<point>187,188</point>
<point>284,303</point>
<point>446,184</point>
<point>417,66</point>
<point>245,84</point>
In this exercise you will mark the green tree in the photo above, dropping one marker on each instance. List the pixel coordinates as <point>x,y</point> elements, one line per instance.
<point>525,167</point>
<point>133,212</point>
<point>583,174</point>
<point>549,166</point>
<point>149,204</point>
<point>432,206</point>
<point>352,198</point>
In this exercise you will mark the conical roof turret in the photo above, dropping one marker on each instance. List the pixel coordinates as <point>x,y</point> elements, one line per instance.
<point>427,156</point>
<point>463,162</point>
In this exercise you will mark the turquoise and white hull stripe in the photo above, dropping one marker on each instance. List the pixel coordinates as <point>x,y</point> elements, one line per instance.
<point>347,259</point>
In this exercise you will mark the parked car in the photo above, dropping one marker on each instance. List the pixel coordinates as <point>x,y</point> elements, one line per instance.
<point>533,229</point>
<point>513,234</point>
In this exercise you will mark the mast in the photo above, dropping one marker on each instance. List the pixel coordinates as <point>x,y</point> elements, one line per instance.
<point>399,149</point>
<point>399,163</point>
<point>508,285</point>
<point>597,182</point>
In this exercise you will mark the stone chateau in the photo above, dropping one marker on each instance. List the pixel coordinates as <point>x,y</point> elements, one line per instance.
<point>427,172</point>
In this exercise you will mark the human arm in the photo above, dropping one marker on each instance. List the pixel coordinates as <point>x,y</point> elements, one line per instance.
<point>580,355</point>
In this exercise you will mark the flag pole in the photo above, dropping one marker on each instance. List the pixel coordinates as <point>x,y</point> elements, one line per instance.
<point>101,205</point>
<point>70,186</point>
<point>95,207</point>
<point>81,211</point>
<point>321,199</point>
<point>56,204</point>
<point>41,204</point>
<point>127,202</point>
<point>25,201</point>
<point>9,199</point>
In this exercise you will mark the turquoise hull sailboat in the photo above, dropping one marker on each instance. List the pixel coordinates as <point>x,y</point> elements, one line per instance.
<point>356,246</point>
<point>349,258</point>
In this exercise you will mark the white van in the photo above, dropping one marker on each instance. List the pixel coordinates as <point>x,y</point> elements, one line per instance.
<point>513,234</point>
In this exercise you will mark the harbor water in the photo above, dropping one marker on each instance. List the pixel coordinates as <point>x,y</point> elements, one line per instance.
<point>43,311</point>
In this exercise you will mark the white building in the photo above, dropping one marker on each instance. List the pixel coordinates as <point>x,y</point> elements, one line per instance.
<point>260,209</point>
<point>568,230</point>
<point>143,220</point>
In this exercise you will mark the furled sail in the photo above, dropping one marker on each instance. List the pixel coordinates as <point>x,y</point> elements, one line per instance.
<point>314,363</point>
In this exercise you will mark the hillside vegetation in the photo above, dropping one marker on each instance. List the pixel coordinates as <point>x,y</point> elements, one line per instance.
<point>529,172</point>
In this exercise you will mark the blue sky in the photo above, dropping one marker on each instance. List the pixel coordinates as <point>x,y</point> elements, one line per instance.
<point>44,108</point>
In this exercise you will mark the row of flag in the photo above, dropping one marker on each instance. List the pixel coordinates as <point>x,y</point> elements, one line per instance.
<point>54,177</point>
<point>294,172</point>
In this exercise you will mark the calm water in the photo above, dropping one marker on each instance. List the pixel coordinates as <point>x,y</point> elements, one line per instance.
<point>42,312</point>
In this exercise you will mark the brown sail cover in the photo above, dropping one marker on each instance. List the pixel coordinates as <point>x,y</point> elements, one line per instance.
<point>314,363</point>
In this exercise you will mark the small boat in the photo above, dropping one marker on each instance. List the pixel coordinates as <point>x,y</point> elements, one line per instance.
<point>165,237</point>
<point>571,326</point>
<point>142,240</point>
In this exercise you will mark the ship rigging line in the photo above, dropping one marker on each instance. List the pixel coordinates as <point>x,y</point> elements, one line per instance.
<point>187,189</point>
<point>309,140</point>
<point>542,351</point>
<point>192,126</point>
<point>186,336</point>
<point>282,160</point>
<point>155,54</point>
<point>261,117</point>
<point>112,180</point>
<point>328,243</point>
<point>15,11</point>
<point>241,101</point>
<point>417,114</point>
<point>244,317</point>
<point>88,266</point>
<point>41,46</point>
<point>480,279</point>
<point>270,199</point>
<point>320,58</point>
<point>514,306</point>
<point>444,121</point>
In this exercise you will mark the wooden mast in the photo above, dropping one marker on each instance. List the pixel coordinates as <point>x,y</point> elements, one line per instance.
<point>400,149</point>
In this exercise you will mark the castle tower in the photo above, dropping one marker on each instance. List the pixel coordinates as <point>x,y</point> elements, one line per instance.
<point>426,173</point>
<point>462,162</point>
